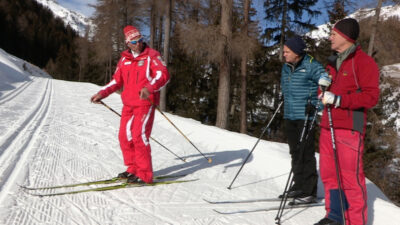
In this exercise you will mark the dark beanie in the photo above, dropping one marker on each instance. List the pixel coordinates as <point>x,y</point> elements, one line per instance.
<point>348,28</point>
<point>296,44</point>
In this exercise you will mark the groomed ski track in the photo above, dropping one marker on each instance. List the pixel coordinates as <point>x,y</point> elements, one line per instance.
<point>50,134</point>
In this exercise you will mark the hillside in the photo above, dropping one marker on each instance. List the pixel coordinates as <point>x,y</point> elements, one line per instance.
<point>323,30</point>
<point>75,20</point>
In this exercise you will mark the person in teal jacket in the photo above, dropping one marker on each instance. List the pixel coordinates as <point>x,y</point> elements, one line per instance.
<point>299,84</point>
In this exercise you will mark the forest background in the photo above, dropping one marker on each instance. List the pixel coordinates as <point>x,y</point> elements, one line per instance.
<point>225,67</point>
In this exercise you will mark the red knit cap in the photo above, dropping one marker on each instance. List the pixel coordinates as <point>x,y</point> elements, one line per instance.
<point>131,33</point>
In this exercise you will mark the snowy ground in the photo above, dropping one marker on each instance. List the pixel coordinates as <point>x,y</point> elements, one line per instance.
<point>50,134</point>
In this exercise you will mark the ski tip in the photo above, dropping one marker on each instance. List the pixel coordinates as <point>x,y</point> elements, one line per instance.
<point>219,212</point>
<point>209,160</point>
<point>206,200</point>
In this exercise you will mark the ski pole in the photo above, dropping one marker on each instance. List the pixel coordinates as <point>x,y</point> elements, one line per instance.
<point>290,178</point>
<point>158,109</point>
<point>112,110</point>
<point>258,140</point>
<point>336,163</point>
<point>302,146</point>
<point>323,88</point>
<point>167,149</point>
<point>108,107</point>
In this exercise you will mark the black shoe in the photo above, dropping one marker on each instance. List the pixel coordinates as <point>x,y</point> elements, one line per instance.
<point>301,200</point>
<point>292,194</point>
<point>133,179</point>
<point>123,175</point>
<point>327,221</point>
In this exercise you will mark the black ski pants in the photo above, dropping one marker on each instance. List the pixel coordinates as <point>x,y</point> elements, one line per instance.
<point>304,165</point>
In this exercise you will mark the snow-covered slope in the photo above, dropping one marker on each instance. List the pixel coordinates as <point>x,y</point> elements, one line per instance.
<point>77,21</point>
<point>50,134</point>
<point>392,70</point>
<point>386,12</point>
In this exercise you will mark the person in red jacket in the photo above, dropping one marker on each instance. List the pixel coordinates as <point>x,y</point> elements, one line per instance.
<point>353,90</point>
<point>141,73</point>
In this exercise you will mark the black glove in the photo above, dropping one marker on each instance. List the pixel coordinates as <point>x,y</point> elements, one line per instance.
<point>310,108</point>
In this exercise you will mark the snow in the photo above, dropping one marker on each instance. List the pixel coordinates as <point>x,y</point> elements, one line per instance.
<point>392,70</point>
<point>77,21</point>
<point>50,134</point>
<point>323,30</point>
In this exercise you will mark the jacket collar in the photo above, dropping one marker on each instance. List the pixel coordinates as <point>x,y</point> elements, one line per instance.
<point>344,55</point>
<point>293,66</point>
<point>129,55</point>
<point>336,59</point>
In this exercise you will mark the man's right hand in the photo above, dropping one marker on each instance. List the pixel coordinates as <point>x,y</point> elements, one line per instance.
<point>324,81</point>
<point>96,98</point>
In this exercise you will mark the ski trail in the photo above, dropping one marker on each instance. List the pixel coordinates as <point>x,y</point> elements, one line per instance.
<point>15,92</point>
<point>18,146</point>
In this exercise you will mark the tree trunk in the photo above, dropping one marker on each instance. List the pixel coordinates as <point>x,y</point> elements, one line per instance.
<point>108,70</point>
<point>159,32</point>
<point>374,27</point>
<point>167,30</point>
<point>281,43</point>
<point>225,62</point>
<point>243,81</point>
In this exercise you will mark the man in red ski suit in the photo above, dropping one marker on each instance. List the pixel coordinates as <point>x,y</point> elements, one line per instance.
<point>353,90</point>
<point>141,73</point>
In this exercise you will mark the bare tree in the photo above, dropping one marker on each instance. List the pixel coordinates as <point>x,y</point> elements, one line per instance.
<point>104,37</point>
<point>225,64</point>
<point>82,50</point>
<point>205,32</point>
<point>243,82</point>
<point>159,32</point>
<point>110,18</point>
<point>167,31</point>
<point>374,27</point>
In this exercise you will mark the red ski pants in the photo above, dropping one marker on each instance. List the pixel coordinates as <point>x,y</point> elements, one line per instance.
<point>350,147</point>
<point>134,133</point>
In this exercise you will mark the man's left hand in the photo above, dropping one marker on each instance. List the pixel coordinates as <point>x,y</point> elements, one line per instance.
<point>144,93</point>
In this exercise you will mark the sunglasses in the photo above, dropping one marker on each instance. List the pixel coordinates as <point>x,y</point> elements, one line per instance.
<point>135,42</point>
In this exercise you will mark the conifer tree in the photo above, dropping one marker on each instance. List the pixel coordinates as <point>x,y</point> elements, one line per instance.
<point>286,16</point>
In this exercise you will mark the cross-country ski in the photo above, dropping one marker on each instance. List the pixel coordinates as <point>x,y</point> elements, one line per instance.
<point>270,208</point>
<point>109,188</point>
<point>247,200</point>
<point>243,200</point>
<point>106,181</point>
